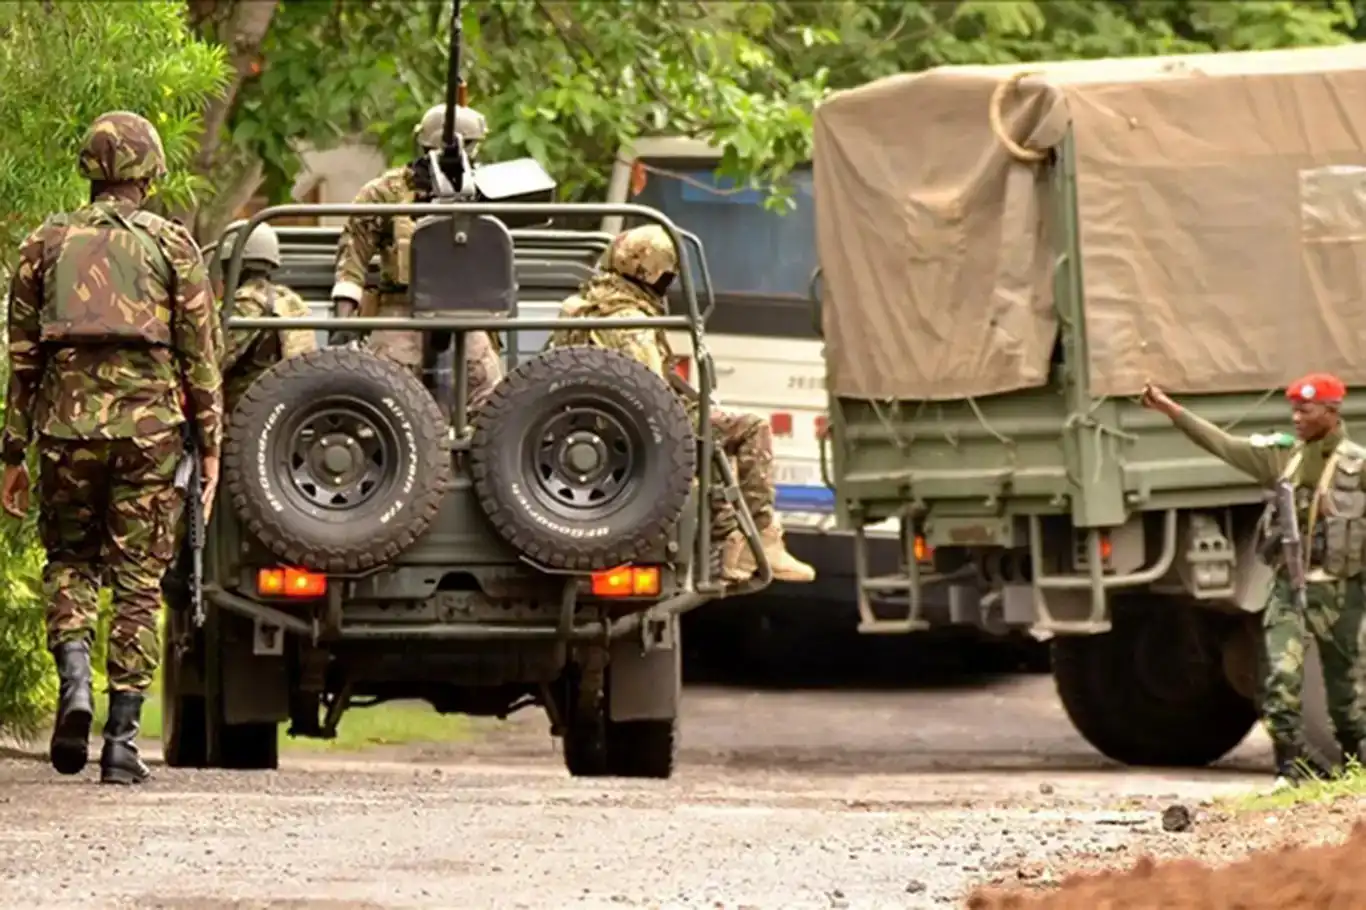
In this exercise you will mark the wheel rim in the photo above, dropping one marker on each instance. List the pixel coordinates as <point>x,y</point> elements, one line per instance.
<point>583,458</point>
<point>338,456</point>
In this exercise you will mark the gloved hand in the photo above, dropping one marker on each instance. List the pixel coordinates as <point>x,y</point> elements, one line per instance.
<point>345,309</point>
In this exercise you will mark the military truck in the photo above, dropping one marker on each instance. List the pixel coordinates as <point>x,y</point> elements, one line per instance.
<point>1008,253</point>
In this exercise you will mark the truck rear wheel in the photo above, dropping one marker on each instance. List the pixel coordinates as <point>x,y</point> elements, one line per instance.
<point>1152,690</point>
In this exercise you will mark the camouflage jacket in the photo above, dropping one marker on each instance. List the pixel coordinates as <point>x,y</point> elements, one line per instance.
<point>608,295</point>
<point>247,353</point>
<point>364,235</point>
<point>113,391</point>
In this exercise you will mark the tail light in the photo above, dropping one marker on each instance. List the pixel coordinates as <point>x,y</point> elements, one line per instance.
<point>822,427</point>
<point>682,366</point>
<point>287,582</point>
<point>781,422</point>
<point>923,551</point>
<point>627,581</point>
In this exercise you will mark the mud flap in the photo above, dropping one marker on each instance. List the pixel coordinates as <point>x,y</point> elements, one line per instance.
<point>646,681</point>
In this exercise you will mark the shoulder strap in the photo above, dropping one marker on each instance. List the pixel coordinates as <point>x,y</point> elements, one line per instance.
<point>1292,467</point>
<point>270,299</point>
<point>137,227</point>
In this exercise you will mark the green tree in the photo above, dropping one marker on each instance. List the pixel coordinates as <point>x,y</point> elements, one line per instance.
<point>133,56</point>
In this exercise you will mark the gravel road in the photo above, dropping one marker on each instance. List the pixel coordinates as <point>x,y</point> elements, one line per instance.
<point>784,800</point>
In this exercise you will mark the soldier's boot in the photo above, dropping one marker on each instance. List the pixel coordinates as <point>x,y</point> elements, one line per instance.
<point>1294,766</point>
<point>119,761</point>
<point>70,744</point>
<point>786,567</point>
<point>732,551</point>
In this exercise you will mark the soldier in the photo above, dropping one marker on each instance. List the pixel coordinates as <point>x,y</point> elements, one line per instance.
<point>110,319</point>
<point>364,234</point>
<point>1315,459</point>
<point>634,274</point>
<point>247,353</point>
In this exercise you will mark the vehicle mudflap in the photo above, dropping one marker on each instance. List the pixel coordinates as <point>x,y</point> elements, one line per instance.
<point>645,674</point>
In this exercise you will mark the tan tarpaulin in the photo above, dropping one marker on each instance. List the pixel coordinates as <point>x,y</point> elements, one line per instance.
<point>1222,203</point>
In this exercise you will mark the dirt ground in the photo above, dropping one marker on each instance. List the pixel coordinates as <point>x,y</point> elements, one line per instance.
<point>787,800</point>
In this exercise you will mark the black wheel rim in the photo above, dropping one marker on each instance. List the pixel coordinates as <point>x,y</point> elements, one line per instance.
<point>337,456</point>
<point>583,458</point>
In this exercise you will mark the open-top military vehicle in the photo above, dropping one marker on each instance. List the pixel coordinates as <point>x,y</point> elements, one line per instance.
<point>1007,254</point>
<point>373,541</point>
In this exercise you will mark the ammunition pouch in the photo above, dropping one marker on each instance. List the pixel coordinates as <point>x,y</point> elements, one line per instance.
<point>1342,529</point>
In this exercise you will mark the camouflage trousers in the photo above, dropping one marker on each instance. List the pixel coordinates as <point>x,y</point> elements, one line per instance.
<point>108,512</point>
<point>1334,618</point>
<point>748,441</point>
<point>483,366</point>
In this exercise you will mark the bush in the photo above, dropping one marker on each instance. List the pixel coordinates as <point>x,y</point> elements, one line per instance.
<point>129,56</point>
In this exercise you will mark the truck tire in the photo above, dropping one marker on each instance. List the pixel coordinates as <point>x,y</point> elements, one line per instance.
<point>1319,737</point>
<point>184,740</point>
<point>1152,690</point>
<point>337,460</point>
<point>583,459</point>
<point>596,746</point>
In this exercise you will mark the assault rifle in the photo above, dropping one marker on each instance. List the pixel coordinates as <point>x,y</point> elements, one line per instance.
<point>1292,542</point>
<point>189,479</point>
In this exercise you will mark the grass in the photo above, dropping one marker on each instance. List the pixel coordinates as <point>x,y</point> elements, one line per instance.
<point>390,724</point>
<point>1350,783</point>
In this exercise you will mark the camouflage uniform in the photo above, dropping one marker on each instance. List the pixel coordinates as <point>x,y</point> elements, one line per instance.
<point>364,235</point>
<point>634,273</point>
<point>1335,606</point>
<point>110,319</point>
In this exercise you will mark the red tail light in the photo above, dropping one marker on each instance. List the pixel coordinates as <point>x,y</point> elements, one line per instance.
<point>781,422</point>
<point>683,367</point>
<point>822,427</point>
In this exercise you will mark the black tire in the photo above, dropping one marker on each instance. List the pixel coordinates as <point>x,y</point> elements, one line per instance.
<point>184,741</point>
<point>250,747</point>
<point>642,748</point>
<point>1319,736</point>
<point>1152,691</point>
<point>391,440</point>
<point>634,434</point>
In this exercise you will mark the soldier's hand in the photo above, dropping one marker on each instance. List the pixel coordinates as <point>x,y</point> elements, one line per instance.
<point>344,309</point>
<point>1156,400</point>
<point>14,495</point>
<point>210,469</point>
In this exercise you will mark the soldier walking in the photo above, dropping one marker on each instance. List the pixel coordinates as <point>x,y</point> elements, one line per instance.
<point>1326,471</point>
<point>112,349</point>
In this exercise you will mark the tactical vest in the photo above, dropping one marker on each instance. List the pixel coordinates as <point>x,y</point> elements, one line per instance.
<point>394,257</point>
<point>106,283</point>
<point>289,342</point>
<point>1341,503</point>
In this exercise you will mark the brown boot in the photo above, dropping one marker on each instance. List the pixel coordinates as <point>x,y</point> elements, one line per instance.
<point>734,550</point>
<point>786,567</point>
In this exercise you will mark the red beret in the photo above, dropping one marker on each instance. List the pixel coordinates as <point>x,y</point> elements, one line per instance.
<point>1323,387</point>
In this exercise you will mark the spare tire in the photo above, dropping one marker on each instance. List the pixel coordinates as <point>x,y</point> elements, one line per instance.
<point>337,460</point>
<point>583,459</point>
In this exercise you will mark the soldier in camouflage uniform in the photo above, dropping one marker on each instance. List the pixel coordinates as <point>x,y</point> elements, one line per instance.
<point>1313,458</point>
<point>247,353</point>
<point>366,234</point>
<point>112,348</point>
<point>634,274</point>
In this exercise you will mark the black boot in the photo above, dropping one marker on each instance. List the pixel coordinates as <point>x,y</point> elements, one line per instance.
<point>119,761</point>
<point>70,744</point>
<point>1295,765</point>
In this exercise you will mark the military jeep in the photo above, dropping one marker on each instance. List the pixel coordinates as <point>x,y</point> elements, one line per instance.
<point>373,541</point>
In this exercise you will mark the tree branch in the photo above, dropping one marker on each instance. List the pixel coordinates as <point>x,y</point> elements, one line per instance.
<point>244,30</point>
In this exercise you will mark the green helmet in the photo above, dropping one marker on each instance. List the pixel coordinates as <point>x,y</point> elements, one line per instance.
<point>262,246</point>
<point>122,146</point>
<point>469,126</point>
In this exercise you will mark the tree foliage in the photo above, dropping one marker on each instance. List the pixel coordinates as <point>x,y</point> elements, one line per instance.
<point>131,56</point>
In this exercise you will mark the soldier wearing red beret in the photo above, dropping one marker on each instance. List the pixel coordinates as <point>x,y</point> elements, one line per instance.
<point>1336,605</point>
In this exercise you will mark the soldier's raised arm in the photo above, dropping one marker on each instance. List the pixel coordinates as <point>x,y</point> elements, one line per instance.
<point>196,328</point>
<point>25,351</point>
<point>1262,458</point>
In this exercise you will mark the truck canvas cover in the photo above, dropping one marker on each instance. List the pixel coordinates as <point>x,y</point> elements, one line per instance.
<point>1222,213</point>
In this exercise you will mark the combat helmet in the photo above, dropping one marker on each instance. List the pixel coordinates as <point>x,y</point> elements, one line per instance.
<point>470,126</point>
<point>643,254</point>
<point>122,146</point>
<point>263,246</point>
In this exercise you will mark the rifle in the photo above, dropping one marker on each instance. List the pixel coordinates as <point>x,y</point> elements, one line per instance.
<point>1292,543</point>
<point>189,479</point>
